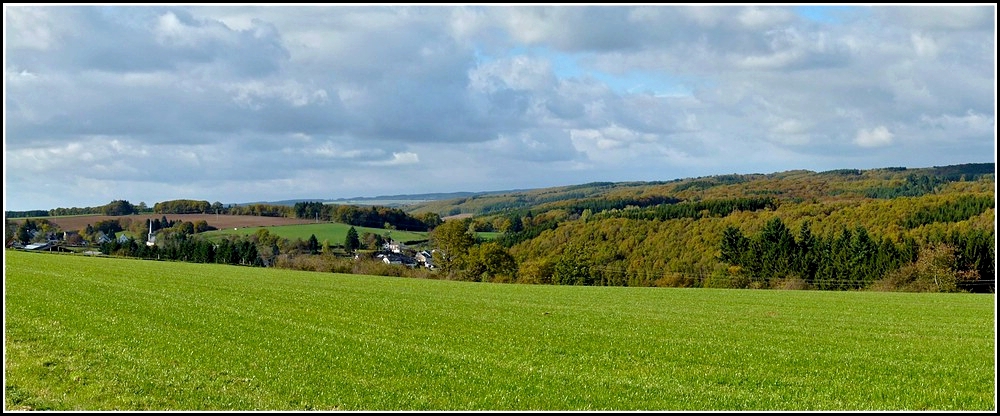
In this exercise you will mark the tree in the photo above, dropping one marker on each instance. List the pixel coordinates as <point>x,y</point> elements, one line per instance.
<point>734,245</point>
<point>371,241</point>
<point>352,242</point>
<point>515,224</point>
<point>574,267</point>
<point>490,262</point>
<point>313,244</point>
<point>773,251</point>
<point>807,259</point>
<point>453,241</point>
<point>934,271</point>
<point>263,237</point>
<point>201,226</point>
<point>431,220</point>
<point>501,224</point>
<point>118,207</point>
<point>23,234</point>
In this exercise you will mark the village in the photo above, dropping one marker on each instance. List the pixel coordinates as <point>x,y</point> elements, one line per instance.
<point>390,252</point>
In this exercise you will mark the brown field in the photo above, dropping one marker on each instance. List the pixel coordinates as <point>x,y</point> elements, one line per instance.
<point>217,221</point>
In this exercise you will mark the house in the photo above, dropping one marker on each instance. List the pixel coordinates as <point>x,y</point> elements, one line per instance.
<point>72,237</point>
<point>425,258</point>
<point>393,247</point>
<point>102,238</point>
<point>395,258</point>
<point>123,238</point>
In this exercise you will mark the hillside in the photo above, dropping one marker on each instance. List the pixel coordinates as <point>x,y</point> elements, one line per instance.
<point>841,229</point>
<point>796,186</point>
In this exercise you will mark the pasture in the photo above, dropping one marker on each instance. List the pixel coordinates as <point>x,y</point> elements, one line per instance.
<point>86,333</point>
<point>333,232</point>
<point>488,235</point>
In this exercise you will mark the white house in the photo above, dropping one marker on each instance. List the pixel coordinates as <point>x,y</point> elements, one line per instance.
<point>427,259</point>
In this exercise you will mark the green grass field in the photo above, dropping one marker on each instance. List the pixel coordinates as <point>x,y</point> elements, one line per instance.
<point>87,333</point>
<point>335,233</point>
<point>488,235</point>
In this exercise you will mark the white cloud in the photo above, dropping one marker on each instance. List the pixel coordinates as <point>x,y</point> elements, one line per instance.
<point>29,28</point>
<point>876,137</point>
<point>971,120</point>
<point>938,17</point>
<point>534,145</point>
<point>399,158</point>
<point>252,94</point>
<point>228,102</point>
<point>764,17</point>
<point>516,73</point>
<point>924,45</point>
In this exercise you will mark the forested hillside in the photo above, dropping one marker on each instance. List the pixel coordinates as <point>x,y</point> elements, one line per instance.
<point>893,228</point>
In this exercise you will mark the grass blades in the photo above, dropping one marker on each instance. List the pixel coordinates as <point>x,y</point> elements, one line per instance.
<point>117,334</point>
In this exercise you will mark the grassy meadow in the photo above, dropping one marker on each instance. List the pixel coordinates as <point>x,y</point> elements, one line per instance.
<point>488,235</point>
<point>90,333</point>
<point>333,232</point>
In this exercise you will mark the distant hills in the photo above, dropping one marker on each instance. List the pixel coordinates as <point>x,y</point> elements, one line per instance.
<point>387,200</point>
<point>487,202</point>
<point>789,186</point>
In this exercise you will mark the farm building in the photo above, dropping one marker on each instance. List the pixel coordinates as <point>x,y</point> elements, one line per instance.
<point>46,247</point>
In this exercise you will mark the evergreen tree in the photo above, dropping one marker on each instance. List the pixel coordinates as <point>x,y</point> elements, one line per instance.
<point>23,235</point>
<point>313,244</point>
<point>351,242</point>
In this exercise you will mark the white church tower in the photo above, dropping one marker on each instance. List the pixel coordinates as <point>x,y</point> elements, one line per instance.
<point>151,239</point>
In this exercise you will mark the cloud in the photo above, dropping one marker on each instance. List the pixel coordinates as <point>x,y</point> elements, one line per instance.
<point>956,18</point>
<point>876,137</point>
<point>399,158</point>
<point>536,145</point>
<point>239,103</point>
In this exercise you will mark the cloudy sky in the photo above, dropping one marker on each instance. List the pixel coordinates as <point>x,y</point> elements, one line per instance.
<point>263,103</point>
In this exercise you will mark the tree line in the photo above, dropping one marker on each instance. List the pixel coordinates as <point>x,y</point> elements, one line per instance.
<point>113,208</point>
<point>181,247</point>
<point>692,209</point>
<point>367,216</point>
<point>854,259</point>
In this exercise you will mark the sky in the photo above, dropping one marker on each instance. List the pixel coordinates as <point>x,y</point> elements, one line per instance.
<point>150,103</point>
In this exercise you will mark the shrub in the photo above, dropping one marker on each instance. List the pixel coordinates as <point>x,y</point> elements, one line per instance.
<point>535,272</point>
<point>672,279</point>
<point>934,271</point>
<point>790,283</point>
